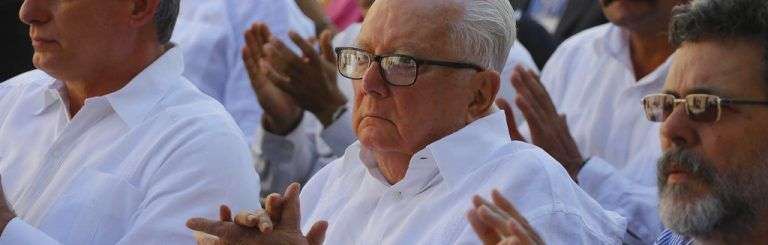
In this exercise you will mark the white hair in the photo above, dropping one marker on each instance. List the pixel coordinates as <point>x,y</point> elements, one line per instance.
<point>486,33</point>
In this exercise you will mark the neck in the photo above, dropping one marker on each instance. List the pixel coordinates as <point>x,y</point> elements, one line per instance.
<point>648,50</point>
<point>393,166</point>
<point>109,78</point>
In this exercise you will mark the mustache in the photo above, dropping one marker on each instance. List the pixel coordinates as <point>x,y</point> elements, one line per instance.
<point>685,160</point>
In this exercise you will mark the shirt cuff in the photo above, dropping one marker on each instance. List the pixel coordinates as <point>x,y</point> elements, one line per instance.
<point>339,135</point>
<point>275,147</point>
<point>19,232</point>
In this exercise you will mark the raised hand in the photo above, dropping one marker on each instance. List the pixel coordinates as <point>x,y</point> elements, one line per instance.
<point>278,225</point>
<point>311,78</point>
<point>281,113</point>
<point>549,130</point>
<point>500,223</point>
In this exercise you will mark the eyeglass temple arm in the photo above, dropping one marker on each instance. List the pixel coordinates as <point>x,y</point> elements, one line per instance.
<point>743,102</point>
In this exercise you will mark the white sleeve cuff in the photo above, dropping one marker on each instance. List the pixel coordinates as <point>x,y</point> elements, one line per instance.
<point>339,135</point>
<point>19,232</point>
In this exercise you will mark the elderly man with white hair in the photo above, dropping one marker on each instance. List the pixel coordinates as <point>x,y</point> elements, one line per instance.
<point>425,80</point>
<point>108,143</point>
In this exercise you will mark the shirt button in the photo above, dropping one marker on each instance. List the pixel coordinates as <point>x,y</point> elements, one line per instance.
<point>398,195</point>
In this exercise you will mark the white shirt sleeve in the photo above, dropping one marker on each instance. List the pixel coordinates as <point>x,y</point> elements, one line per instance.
<point>207,171</point>
<point>615,192</point>
<point>295,157</point>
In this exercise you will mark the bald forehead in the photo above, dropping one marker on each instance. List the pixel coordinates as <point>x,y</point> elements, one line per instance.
<point>411,24</point>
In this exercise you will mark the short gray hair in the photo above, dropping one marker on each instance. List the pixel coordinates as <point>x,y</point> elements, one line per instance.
<point>721,20</point>
<point>165,19</point>
<point>486,33</point>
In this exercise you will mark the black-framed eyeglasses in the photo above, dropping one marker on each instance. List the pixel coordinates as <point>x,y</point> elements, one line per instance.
<point>397,70</point>
<point>698,107</point>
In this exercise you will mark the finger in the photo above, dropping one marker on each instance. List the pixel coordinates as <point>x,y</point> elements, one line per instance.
<point>223,230</point>
<point>291,215</point>
<point>307,49</point>
<point>540,93</point>
<point>493,220</point>
<point>326,46</point>
<point>258,219</point>
<point>225,214</point>
<point>486,234</point>
<point>254,43</point>
<point>505,205</point>
<point>524,93</point>
<point>514,134</point>
<point>316,235</point>
<point>282,52</point>
<point>274,206</point>
<point>251,65</point>
<point>535,123</point>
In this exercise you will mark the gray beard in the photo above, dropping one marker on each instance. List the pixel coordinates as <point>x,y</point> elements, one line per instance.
<point>734,199</point>
<point>696,218</point>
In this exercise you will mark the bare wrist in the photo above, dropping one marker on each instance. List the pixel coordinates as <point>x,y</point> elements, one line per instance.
<point>281,128</point>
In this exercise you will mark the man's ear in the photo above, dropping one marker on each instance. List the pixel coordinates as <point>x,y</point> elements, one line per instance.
<point>486,88</point>
<point>143,12</point>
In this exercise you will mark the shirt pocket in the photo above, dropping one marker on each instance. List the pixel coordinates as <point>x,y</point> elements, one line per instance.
<point>96,208</point>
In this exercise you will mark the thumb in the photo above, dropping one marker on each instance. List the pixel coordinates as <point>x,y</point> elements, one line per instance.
<point>291,213</point>
<point>514,134</point>
<point>316,234</point>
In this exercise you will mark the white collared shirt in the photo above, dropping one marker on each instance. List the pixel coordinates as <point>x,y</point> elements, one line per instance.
<point>591,80</point>
<point>429,205</point>
<point>211,34</point>
<point>296,156</point>
<point>129,168</point>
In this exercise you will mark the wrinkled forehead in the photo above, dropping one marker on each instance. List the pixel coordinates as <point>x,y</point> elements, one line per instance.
<point>416,27</point>
<point>724,68</point>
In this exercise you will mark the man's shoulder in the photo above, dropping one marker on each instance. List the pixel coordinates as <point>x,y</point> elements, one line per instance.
<point>586,38</point>
<point>33,78</point>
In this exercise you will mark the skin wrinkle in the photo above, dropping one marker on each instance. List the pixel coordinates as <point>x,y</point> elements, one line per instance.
<point>442,101</point>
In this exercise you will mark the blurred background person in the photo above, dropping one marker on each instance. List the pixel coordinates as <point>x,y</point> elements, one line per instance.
<point>16,49</point>
<point>210,35</point>
<point>562,18</point>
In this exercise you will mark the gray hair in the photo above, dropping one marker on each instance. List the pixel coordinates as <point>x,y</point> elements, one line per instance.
<point>165,19</point>
<point>486,33</point>
<point>721,20</point>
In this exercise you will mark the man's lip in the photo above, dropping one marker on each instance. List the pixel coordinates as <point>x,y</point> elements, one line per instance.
<point>40,41</point>
<point>676,176</point>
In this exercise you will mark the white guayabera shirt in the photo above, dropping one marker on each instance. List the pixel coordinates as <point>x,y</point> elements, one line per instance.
<point>591,80</point>
<point>429,205</point>
<point>131,166</point>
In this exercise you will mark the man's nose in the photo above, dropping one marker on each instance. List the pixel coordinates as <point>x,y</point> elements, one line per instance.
<point>34,12</point>
<point>679,130</point>
<point>374,83</point>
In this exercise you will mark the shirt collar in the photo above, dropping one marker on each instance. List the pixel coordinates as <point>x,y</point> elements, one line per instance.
<point>136,100</point>
<point>452,158</point>
<point>51,93</point>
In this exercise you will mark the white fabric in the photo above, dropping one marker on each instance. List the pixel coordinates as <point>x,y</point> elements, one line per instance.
<point>429,205</point>
<point>129,168</point>
<point>295,157</point>
<point>591,80</point>
<point>211,35</point>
